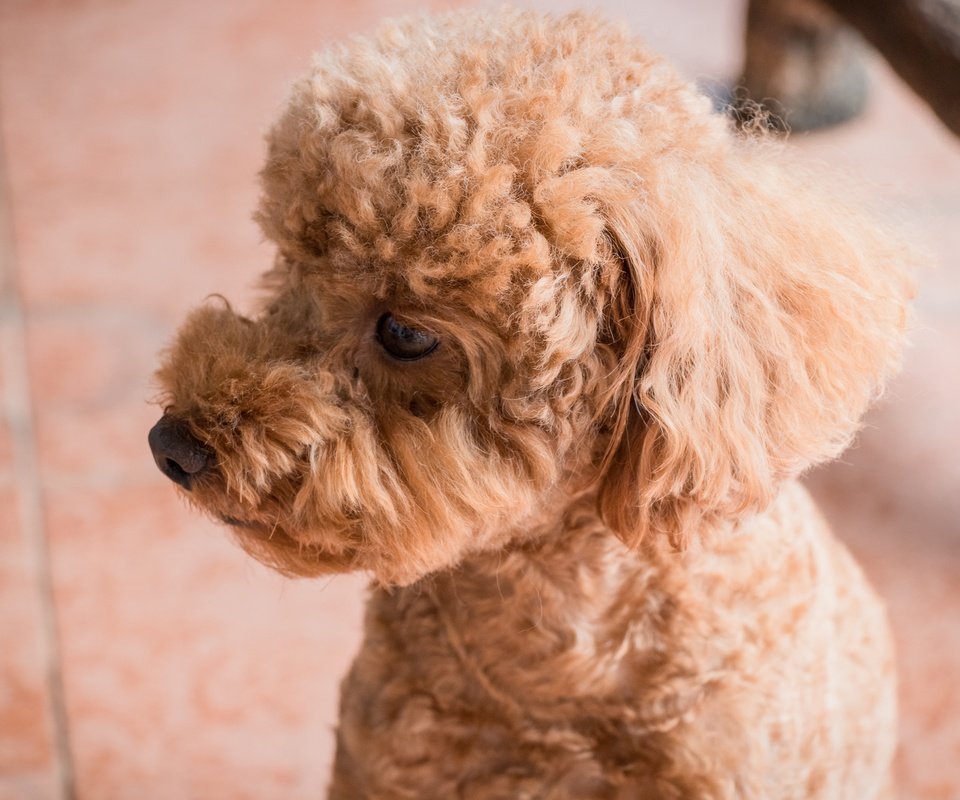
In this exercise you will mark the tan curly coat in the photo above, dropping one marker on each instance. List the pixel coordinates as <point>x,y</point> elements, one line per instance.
<point>595,573</point>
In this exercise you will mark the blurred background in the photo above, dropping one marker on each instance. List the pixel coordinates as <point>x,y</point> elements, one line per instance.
<point>141,654</point>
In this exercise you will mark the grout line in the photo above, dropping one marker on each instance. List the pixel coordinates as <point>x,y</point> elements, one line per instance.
<point>17,403</point>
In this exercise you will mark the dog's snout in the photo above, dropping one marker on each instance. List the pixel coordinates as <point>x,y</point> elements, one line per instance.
<point>178,454</point>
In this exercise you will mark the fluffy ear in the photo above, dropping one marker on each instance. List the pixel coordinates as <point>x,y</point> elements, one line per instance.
<point>759,319</point>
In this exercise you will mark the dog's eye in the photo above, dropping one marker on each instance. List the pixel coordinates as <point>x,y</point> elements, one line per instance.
<point>403,342</point>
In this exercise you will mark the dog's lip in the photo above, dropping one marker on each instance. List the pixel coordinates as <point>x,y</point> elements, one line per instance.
<point>238,523</point>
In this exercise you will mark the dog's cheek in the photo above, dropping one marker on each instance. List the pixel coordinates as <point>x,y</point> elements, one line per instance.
<point>470,487</point>
<point>408,497</point>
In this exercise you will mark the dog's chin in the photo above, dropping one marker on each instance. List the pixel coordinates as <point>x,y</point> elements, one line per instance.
<point>303,557</point>
<point>272,545</point>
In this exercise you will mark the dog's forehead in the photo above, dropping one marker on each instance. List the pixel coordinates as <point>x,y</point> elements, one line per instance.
<point>391,214</point>
<point>449,240</point>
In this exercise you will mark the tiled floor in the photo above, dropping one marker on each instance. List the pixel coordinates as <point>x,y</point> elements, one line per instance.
<point>141,655</point>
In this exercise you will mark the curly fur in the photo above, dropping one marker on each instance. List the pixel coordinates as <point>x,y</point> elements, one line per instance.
<point>597,576</point>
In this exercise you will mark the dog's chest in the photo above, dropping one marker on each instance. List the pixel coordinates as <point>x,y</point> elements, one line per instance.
<point>567,674</point>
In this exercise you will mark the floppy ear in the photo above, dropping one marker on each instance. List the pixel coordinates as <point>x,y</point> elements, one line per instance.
<point>759,318</point>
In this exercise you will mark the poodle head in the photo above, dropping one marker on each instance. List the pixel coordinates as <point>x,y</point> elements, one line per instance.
<point>520,262</point>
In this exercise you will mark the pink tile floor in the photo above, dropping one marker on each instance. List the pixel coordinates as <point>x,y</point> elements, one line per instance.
<point>143,656</point>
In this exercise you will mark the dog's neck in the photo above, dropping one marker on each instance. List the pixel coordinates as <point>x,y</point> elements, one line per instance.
<point>549,628</point>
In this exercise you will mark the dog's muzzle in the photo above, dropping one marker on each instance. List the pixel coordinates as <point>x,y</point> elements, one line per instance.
<point>178,454</point>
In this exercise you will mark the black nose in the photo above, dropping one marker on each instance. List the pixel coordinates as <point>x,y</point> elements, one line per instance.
<point>180,457</point>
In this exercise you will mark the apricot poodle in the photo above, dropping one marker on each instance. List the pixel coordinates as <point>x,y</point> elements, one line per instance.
<point>543,350</point>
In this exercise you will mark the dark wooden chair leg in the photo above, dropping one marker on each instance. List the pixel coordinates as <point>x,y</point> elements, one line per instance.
<point>803,59</point>
<point>920,39</point>
<point>803,66</point>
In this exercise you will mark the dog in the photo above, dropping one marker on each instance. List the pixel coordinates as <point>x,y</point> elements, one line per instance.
<point>544,348</point>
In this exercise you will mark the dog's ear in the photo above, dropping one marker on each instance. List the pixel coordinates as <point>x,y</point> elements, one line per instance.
<point>756,319</point>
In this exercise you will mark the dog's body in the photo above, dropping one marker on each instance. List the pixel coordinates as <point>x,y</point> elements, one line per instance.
<point>757,666</point>
<point>544,349</point>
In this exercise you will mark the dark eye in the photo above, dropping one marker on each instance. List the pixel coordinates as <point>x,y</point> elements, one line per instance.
<point>403,342</point>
